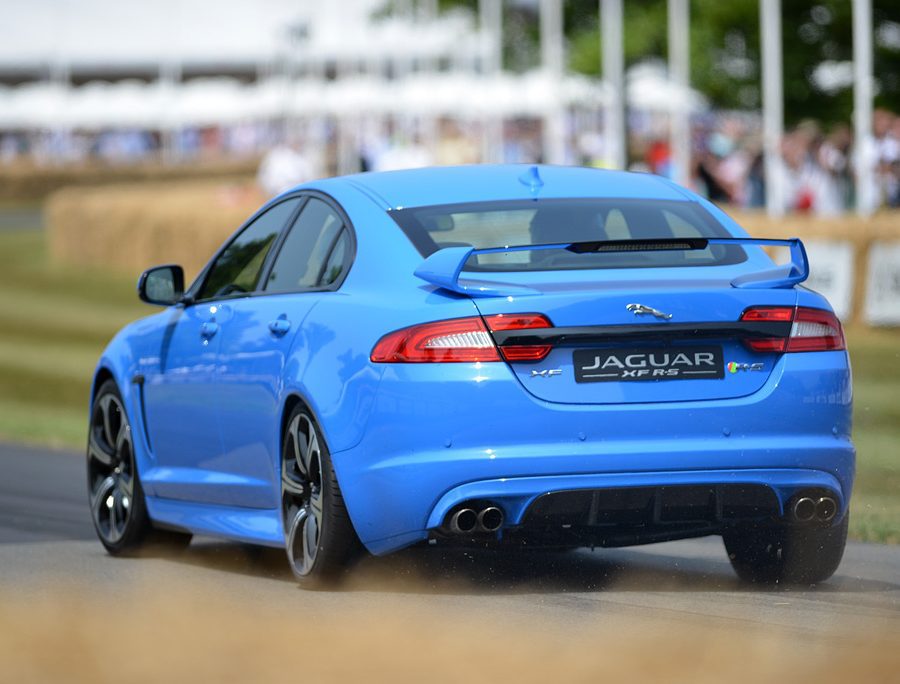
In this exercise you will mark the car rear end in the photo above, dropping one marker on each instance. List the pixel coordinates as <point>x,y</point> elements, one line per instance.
<point>601,398</point>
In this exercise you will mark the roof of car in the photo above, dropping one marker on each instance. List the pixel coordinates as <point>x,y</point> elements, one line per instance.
<point>487,182</point>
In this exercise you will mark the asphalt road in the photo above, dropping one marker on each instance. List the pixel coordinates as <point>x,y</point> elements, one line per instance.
<point>46,539</point>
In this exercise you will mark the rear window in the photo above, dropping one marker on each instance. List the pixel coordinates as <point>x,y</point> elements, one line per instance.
<point>540,222</point>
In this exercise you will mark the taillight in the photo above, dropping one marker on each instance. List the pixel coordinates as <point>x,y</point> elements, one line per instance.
<point>768,314</point>
<point>815,330</point>
<point>456,340</point>
<point>460,340</point>
<point>503,322</point>
<point>811,329</point>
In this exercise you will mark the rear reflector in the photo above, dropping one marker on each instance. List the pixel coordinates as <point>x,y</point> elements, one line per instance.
<point>460,340</point>
<point>811,329</point>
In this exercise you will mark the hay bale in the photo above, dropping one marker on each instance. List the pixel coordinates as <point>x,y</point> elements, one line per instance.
<point>858,231</point>
<point>24,182</point>
<point>128,228</point>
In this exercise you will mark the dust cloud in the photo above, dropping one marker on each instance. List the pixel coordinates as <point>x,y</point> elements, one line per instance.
<point>188,633</point>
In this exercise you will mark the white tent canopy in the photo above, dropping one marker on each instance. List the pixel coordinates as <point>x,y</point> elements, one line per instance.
<point>649,88</point>
<point>224,100</point>
<point>127,104</point>
<point>292,43</point>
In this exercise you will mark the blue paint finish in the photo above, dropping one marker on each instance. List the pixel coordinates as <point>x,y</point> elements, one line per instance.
<point>409,441</point>
<point>484,183</point>
<point>786,276</point>
<point>258,526</point>
<point>403,468</point>
<point>445,267</point>
<point>249,389</point>
<point>532,180</point>
<point>606,305</point>
<point>517,493</point>
<point>178,394</point>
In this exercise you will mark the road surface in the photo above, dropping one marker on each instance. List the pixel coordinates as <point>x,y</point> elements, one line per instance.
<point>46,539</point>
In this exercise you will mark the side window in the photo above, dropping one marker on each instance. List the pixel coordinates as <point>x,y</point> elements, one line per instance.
<point>237,268</point>
<point>313,253</point>
<point>335,264</point>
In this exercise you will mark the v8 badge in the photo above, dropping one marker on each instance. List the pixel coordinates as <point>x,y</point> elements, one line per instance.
<point>734,367</point>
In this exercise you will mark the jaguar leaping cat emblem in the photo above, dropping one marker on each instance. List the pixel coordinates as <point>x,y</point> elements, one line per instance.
<point>639,309</point>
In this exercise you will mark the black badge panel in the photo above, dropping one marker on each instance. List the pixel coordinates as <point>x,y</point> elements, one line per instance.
<point>636,364</point>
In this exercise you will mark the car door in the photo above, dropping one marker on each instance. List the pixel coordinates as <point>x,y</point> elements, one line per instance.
<point>255,346</point>
<point>182,424</point>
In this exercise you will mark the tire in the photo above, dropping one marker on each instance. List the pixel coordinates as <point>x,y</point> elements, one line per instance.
<point>116,498</point>
<point>787,555</point>
<point>319,536</point>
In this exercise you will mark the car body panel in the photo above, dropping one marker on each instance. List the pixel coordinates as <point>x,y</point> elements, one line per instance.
<point>450,185</point>
<point>176,395</point>
<point>257,526</point>
<point>410,441</point>
<point>429,434</point>
<point>606,305</point>
<point>248,391</point>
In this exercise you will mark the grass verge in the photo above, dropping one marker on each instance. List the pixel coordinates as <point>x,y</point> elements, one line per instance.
<point>55,321</point>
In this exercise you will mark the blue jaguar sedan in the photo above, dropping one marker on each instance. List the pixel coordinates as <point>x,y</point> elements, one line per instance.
<point>500,356</point>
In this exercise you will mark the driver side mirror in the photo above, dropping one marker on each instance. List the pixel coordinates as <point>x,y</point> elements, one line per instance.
<point>163,285</point>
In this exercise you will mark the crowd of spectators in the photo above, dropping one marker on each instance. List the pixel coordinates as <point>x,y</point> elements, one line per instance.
<point>127,145</point>
<point>816,170</point>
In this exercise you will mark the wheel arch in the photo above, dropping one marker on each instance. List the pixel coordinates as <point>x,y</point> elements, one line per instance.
<point>118,364</point>
<point>291,401</point>
<point>101,375</point>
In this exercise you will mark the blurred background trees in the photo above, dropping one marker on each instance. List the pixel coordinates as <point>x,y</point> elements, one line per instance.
<point>725,49</point>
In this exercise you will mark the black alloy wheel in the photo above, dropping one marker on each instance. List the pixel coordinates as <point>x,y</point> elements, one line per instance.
<point>319,537</point>
<point>118,509</point>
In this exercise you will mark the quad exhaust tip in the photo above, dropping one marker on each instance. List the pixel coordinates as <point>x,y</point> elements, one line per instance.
<point>463,521</point>
<point>807,509</point>
<point>470,520</point>
<point>490,519</point>
<point>804,509</point>
<point>826,509</point>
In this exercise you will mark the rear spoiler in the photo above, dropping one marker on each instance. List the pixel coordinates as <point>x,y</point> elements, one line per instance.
<point>444,267</point>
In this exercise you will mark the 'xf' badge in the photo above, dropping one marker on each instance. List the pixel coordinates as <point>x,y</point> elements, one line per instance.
<point>638,309</point>
<point>546,373</point>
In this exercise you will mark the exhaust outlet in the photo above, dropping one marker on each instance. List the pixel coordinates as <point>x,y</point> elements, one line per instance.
<point>804,509</point>
<point>463,521</point>
<point>490,519</point>
<point>826,508</point>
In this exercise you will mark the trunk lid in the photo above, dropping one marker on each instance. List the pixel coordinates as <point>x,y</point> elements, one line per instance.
<point>609,347</point>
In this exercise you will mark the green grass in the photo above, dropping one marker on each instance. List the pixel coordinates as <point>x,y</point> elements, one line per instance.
<point>55,321</point>
<point>875,507</point>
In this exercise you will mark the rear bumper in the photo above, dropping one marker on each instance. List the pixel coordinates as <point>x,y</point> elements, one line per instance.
<point>515,495</point>
<point>441,434</point>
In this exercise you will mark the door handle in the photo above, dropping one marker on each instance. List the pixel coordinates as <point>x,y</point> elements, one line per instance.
<point>208,329</point>
<point>279,326</point>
